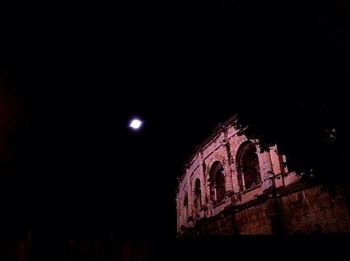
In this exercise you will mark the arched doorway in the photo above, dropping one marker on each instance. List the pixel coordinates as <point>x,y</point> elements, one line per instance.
<point>197,194</point>
<point>217,182</point>
<point>248,169</point>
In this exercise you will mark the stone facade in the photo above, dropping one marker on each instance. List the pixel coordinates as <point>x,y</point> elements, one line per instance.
<point>229,186</point>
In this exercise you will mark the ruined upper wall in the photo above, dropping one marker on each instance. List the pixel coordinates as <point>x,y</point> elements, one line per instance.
<point>212,143</point>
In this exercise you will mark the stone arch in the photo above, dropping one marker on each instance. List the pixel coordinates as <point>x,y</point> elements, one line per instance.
<point>197,193</point>
<point>217,182</point>
<point>247,162</point>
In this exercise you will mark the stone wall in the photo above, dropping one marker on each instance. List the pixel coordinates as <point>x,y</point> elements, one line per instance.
<point>317,209</point>
<point>298,210</point>
<point>254,220</point>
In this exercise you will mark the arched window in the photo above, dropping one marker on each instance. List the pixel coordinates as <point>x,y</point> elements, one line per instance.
<point>185,206</point>
<point>217,182</point>
<point>248,169</point>
<point>186,200</point>
<point>197,193</point>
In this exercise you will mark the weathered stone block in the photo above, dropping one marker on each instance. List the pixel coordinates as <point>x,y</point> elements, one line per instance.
<point>316,207</point>
<point>325,201</point>
<point>329,213</point>
<point>331,221</point>
<point>299,219</point>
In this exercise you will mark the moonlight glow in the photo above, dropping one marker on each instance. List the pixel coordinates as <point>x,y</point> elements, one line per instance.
<point>135,124</point>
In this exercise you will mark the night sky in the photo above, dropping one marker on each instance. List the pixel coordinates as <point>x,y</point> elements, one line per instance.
<point>71,79</point>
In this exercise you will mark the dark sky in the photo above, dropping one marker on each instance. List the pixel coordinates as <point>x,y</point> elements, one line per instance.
<point>73,77</point>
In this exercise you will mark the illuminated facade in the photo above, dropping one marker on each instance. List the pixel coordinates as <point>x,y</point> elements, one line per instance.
<point>229,186</point>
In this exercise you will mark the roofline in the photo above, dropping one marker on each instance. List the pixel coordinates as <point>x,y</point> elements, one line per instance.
<point>212,136</point>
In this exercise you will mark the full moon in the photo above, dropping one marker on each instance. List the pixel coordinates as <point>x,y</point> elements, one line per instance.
<point>135,124</point>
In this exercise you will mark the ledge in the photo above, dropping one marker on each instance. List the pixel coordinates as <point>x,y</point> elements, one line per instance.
<point>251,188</point>
<point>219,204</point>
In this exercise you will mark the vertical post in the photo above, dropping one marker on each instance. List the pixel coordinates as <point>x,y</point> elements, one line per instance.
<point>189,193</point>
<point>276,221</point>
<point>227,164</point>
<point>202,177</point>
<point>265,168</point>
<point>178,212</point>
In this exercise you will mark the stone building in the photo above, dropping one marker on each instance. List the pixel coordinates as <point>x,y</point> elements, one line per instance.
<point>229,186</point>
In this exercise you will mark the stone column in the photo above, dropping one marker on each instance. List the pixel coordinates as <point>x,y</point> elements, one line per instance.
<point>190,193</point>
<point>228,175</point>
<point>228,179</point>
<point>178,212</point>
<point>233,164</point>
<point>234,178</point>
<point>275,159</point>
<point>265,168</point>
<point>202,178</point>
<point>277,166</point>
<point>227,164</point>
<point>207,192</point>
